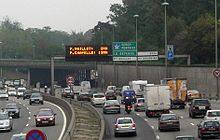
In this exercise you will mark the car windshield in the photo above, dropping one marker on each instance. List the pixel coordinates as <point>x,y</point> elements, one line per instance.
<point>45,113</point>
<point>3,116</point>
<point>211,124</point>
<point>11,90</point>
<point>35,95</point>
<point>124,121</point>
<point>22,137</point>
<point>214,114</point>
<point>110,93</point>
<point>11,106</point>
<point>99,96</point>
<point>186,138</point>
<point>168,117</point>
<point>141,101</point>
<point>21,90</point>
<point>201,102</point>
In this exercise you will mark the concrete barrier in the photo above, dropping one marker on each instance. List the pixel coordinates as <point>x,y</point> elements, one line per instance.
<point>69,112</point>
<point>96,113</point>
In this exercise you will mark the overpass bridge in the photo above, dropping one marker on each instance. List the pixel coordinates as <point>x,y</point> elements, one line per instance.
<point>40,70</point>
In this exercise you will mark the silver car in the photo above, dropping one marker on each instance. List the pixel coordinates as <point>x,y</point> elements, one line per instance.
<point>36,98</point>
<point>6,122</point>
<point>125,125</point>
<point>111,106</point>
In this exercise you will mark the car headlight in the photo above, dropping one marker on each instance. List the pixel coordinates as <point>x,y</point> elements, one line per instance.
<point>7,123</point>
<point>51,119</point>
<point>38,119</point>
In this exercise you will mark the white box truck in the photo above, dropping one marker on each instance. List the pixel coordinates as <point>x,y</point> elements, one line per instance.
<point>157,100</point>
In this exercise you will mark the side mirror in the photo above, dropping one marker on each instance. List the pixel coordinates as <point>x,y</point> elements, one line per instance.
<point>55,114</point>
<point>35,115</point>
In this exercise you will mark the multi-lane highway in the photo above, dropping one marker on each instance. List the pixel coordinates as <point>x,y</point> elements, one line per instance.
<point>26,121</point>
<point>148,127</point>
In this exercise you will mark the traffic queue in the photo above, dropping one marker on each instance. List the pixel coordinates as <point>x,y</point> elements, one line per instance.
<point>156,101</point>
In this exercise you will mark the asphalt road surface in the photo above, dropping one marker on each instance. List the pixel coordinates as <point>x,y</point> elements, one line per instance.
<point>26,121</point>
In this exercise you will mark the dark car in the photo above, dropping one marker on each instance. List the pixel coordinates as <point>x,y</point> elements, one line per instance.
<point>13,110</point>
<point>45,116</point>
<point>199,107</point>
<point>169,122</point>
<point>67,93</point>
<point>110,95</point>
<point>208,128</point>
<point>36,98</point>
<point>27,94</point>
<point>84,96</point>
<point>111,106</point>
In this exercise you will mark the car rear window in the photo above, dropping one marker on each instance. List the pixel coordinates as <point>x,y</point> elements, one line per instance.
<point>214,114</point>
<point>211,124</point>
<point>124,121</point>
<point>201,102</point>
<point>99,96</point>
<point>168,117</point>
<point>112,102</point>
<point>141,101</point>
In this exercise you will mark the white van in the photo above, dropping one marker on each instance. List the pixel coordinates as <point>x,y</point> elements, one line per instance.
<point>20,91</point>
<point>85,86</point>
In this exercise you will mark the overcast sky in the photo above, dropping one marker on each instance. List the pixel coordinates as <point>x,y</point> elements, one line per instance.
<point>65,15</point>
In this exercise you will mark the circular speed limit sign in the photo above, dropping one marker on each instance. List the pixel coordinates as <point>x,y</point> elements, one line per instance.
<point>216,73</point>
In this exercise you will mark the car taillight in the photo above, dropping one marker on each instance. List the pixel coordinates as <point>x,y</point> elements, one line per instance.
<point>116,126</point>
<point>203,129</point>
<point>189,95</point>
<point>136,104</point>
<point>194,108</point>
<point>133,125</point>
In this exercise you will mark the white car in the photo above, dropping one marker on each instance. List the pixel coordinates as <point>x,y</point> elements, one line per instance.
<point>212,115</point>
<point>3,94</point>
<point>12,92</point>
<point>21,91</point>
<point>125,125</point>
<point>98,99</point>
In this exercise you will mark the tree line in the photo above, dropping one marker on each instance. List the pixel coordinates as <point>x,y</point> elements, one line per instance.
<point>190,28</point>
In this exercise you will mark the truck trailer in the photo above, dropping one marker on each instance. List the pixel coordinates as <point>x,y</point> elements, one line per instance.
<point>157,100</point>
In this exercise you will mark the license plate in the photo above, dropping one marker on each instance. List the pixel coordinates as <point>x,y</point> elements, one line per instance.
<point>201,107</point>
<point>170,123</point>
<point>211,129</point>
<point>125,126</point>
<point>44,121</point>
<point>1,123</point>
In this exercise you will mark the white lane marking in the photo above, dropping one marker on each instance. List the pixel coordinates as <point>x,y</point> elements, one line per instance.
<point>158,137</point>
<point>152,127</point>
<point>181,117</point>
<point>171,111</point>
<point>24,105</point>
<point>138,114</point>
<point>27,108</point>
<point>29,118</point>
<point>192,123</point>
<point>64,120</point>
<point>146,120</point>
<point>27,124</point>
<point>20,103</point>
<point>29,112</point>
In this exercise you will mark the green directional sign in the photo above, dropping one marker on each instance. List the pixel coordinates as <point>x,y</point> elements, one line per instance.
<point>124,49</point>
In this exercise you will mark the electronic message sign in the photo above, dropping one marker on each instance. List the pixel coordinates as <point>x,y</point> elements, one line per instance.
<point>88,53</point>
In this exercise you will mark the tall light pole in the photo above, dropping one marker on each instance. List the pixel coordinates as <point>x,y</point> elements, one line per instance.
<point>216,49</point>
<point>1,58</point>
<point>165,4</point>
<point>136,27</point>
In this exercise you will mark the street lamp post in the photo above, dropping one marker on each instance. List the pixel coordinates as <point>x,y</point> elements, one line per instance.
<point>165,4</point>
<point>136,18</point>
<point>216,49</point>
<point>1,58</point>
